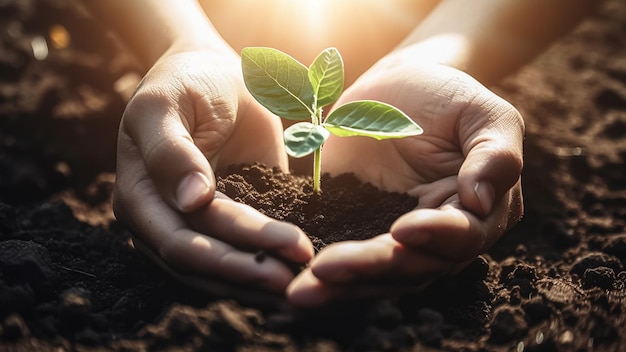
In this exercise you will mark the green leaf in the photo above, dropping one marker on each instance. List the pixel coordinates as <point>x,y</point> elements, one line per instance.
<point>326,76</point>
<point>303,138</point>
<point>372,119</point>
<point>278,81</point>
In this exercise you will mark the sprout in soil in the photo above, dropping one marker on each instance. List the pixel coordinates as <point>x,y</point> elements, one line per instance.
<point>292,91</point>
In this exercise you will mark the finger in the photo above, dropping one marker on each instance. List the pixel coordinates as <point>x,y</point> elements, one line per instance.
<point>214,286</point>
<point>448,232</point>
<point>434,194</point>
<point>454,233</point>
<point>244,226</point>
<point>381,257</point>
<point>492,134</point>
<point>202,255</point>
<point>308,291</point>
<point>179,170</point>
<point>371,268</point>
<point>167,235</point>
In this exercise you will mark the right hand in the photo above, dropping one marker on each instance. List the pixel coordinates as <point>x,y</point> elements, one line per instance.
<point>191,115</point>
<point>465,170</point>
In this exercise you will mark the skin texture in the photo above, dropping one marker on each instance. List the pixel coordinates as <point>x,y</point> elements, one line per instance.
<point>192,115</point>
<point>465,169</point>
<point>163,142</point>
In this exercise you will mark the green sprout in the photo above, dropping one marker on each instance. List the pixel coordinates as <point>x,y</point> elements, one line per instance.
<point>292,91</point>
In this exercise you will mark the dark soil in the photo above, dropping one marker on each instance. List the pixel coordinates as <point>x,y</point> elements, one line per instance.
<point>345,209</point>
<point>69,280</point>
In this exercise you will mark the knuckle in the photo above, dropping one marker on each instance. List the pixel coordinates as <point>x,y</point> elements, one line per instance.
<point>145,103</point>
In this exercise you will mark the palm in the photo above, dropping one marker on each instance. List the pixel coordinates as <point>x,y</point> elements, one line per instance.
<point>192,115</point>
<point>464,169</point>
<point>404,164</point>
<point>221,116</point>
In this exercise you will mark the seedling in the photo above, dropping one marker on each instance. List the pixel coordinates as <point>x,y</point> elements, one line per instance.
<point>292,91</point>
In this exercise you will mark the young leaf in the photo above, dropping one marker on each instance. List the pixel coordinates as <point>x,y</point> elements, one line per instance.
<point>372,119</point>
<point>326,76</point>
<point>303,138</point>
<point>278,81</point>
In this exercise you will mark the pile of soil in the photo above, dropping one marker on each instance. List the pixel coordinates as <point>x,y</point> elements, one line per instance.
<point>70,280</point>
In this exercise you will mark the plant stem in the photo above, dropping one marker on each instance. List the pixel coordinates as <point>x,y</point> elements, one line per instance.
<point>317,154</point>
<point>317,169</point>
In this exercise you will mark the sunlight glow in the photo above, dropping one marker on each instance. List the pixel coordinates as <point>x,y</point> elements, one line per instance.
<point>59,36</point>
<point>443,48</point>
<point>362,30</point>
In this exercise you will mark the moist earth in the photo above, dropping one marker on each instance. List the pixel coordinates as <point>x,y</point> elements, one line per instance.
<point>71,280</point>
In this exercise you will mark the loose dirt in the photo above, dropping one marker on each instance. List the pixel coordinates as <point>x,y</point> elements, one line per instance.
<point>69,280</point>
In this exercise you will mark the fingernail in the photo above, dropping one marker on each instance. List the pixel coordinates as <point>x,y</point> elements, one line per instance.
<point>486,196</point>
<point>191,189</point>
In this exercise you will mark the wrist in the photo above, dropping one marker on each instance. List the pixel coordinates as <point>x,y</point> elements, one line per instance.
<point>185,43</point>
<point>484,61</point>
<point>150,29</point>
<point>446,49</point>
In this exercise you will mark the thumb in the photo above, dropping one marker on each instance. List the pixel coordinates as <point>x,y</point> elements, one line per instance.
<point>179,170</point>
<point>493,162</point>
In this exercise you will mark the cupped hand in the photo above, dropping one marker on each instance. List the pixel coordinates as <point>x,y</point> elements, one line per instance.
<point>465,169</point>
<point>191,115</point>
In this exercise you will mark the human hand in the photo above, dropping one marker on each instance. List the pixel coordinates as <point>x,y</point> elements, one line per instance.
<point>465,169</point>
<point>190,115</point>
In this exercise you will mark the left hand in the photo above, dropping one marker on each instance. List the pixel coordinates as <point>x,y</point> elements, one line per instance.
<point>465,169</point>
